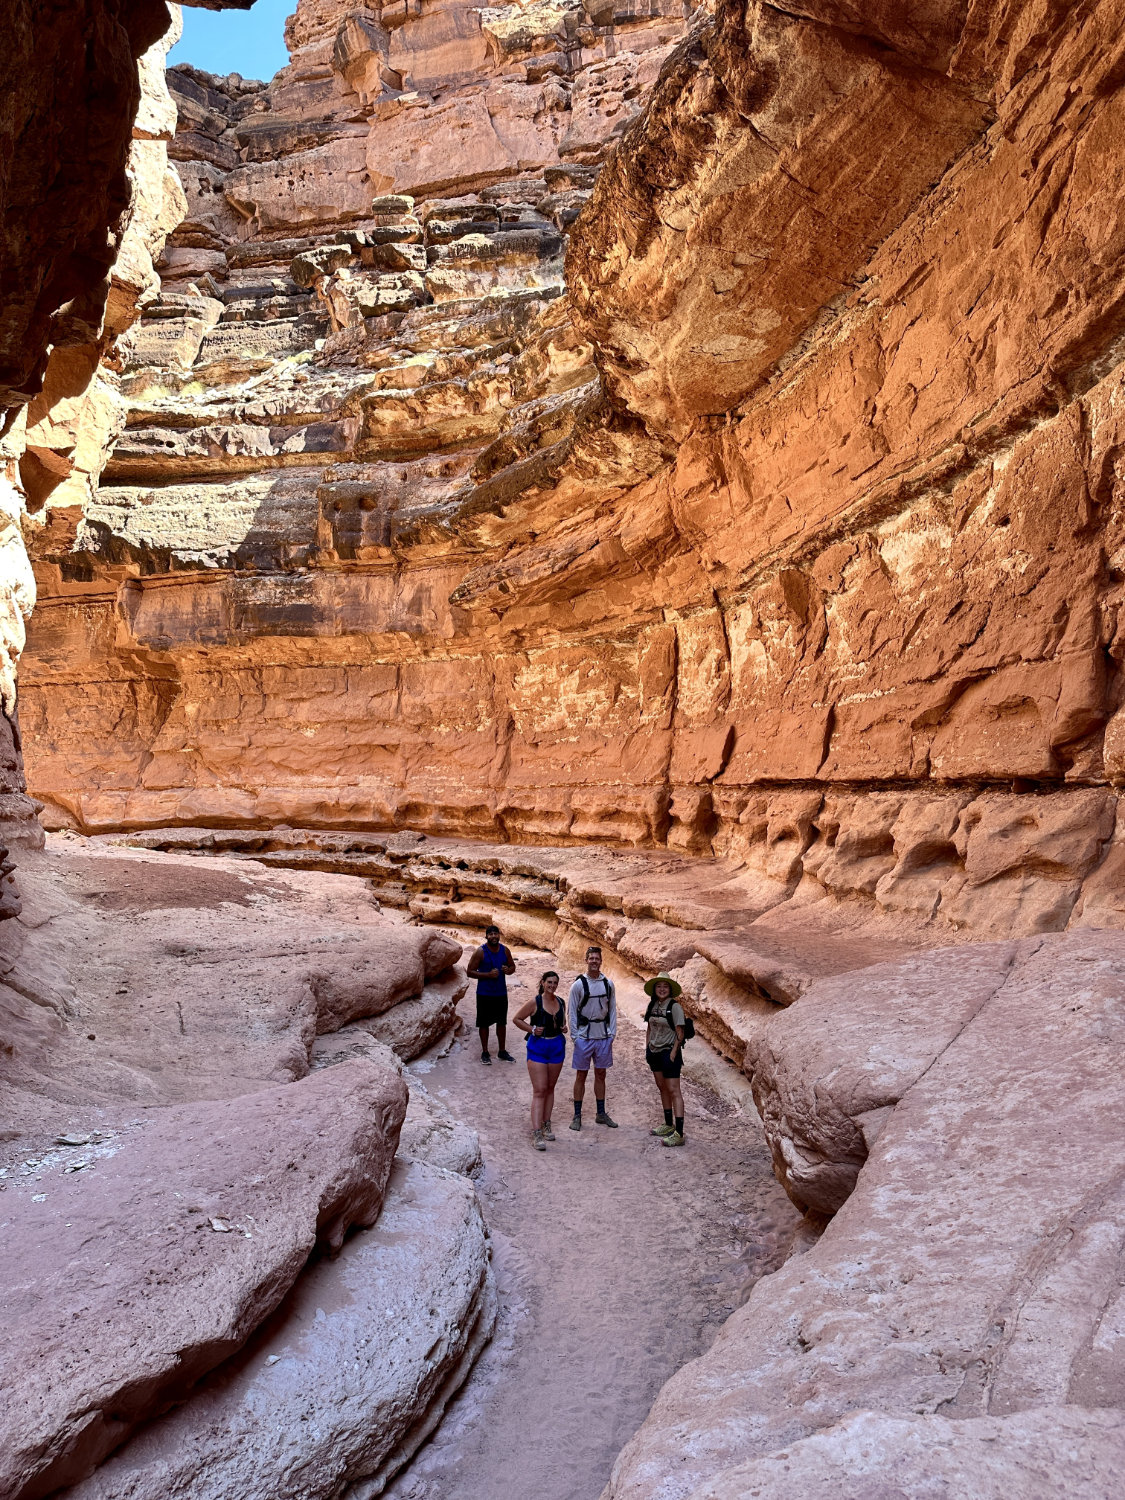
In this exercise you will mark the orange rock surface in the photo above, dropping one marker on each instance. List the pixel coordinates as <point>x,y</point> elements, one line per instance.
<point>787,532</point>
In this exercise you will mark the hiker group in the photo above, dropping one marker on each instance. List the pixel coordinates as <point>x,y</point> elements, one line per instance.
<point>589,1017</point>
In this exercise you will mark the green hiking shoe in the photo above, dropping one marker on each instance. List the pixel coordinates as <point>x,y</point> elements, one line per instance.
<point>675,1139</point>
<point>663,1130</point>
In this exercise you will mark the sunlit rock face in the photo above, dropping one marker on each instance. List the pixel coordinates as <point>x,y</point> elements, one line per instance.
<point>788,532</point>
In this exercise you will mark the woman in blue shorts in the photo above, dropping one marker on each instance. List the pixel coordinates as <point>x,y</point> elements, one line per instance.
<point>544,1021</point>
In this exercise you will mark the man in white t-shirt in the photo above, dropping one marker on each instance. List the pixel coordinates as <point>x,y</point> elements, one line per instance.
<point>592,1016</point>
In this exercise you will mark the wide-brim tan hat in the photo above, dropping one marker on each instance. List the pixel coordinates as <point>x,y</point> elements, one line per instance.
<point>650,987</point>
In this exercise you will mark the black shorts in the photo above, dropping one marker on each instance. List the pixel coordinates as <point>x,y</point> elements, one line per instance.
<point>661,1062</point>
<point>492,1010</point>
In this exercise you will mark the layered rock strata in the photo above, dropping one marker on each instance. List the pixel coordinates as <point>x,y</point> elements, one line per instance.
<point>425,575</point>
<point>386,1332</point>
<point>85,200</point>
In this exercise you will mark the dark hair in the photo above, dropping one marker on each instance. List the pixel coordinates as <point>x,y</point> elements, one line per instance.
<point>593,948</point>
<point>492,928</point>
<point>543,978</point>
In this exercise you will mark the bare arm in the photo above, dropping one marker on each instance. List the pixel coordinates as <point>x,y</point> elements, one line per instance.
<point>509,962</point>
<point>521,1015</point>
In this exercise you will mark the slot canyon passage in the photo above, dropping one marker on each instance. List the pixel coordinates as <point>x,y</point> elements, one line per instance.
<point>636,474</point>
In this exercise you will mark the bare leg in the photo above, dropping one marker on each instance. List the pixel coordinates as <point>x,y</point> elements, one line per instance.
<point>677,1097</point>
<point>580,1083</point>
<point>483,1038</point>
<point>539,1083</point>
<point>664,1091</point>
<point>501,1036</point>
<point>553,1071</point>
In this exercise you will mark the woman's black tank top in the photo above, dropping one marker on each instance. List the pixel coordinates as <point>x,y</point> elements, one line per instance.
<point>544,1018</point>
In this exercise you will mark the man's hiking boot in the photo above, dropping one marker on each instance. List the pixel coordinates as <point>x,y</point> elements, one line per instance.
<point>663,1130</point>
<point>603,1119</point>
<point>486,1058</point>
<point>505,1057</point>
<point>548,1133</point>
<point>675,1139</point>
<point>576,1123</point>
<point>537,1140</point>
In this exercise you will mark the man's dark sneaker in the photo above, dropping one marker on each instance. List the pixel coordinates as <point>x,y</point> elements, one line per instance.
<point>576,1123</point>
<point>505,1057</point>
<point>486,1058</point>
<point>603,1119</point>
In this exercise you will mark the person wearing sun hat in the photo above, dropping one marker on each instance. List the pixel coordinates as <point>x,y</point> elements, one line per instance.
<point>664,1053</point>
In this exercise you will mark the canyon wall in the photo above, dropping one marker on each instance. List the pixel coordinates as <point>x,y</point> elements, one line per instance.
<point>86,197</point>
<point>813,564</point>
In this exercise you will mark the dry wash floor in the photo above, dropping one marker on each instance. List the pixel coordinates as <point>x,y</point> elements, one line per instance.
<point>617,1261</point>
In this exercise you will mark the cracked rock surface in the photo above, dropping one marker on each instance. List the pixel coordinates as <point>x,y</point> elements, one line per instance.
<point>974,1272</point>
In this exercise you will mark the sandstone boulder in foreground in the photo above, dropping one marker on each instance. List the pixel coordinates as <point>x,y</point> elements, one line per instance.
<point>394,966</point>
<point>825,1091</point>
<point>975,1270</point>
<point>349,1377</point>
<point>132,1278</point>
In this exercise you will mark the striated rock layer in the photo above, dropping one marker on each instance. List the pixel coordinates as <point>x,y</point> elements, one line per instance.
<point>794,541</point>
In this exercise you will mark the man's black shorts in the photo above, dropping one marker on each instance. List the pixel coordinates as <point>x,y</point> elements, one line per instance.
<point>661,1062</point>
<point>492,1010</point>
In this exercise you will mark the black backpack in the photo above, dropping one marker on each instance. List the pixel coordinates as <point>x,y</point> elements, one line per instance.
<point>609,994</point>
<point>689,1024</point>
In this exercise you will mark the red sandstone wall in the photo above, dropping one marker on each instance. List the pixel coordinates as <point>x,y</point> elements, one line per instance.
<point>875,553</point>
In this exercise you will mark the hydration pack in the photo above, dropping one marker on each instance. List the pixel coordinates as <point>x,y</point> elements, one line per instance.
<point>598,1020</point>
<point>654,1008</point>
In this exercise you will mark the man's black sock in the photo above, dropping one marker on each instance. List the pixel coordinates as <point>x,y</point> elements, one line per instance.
<point>679,1124</point>
<point>667,1117</point>
<point>578,1109</point>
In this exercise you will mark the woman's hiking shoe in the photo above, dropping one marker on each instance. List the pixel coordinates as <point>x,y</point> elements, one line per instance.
<point>485,1058</point>
<point>675,1139</point>
<point>505,1057</point>
<point>548,1133</point>
<point>603,1119</point>
<point>663,1130</point>
<point>537,1140</point>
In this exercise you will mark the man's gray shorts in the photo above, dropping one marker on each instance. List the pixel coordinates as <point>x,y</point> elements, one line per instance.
<point>586,1055</point>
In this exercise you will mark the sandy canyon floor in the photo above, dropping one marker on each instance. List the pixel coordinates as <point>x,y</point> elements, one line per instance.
<point>617,1261</point>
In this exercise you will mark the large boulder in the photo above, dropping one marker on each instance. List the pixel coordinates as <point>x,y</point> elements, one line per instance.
<point>394,966</point>
<point>146,1259</point>
<point>828,1071</point>
<point>353,1373</point>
